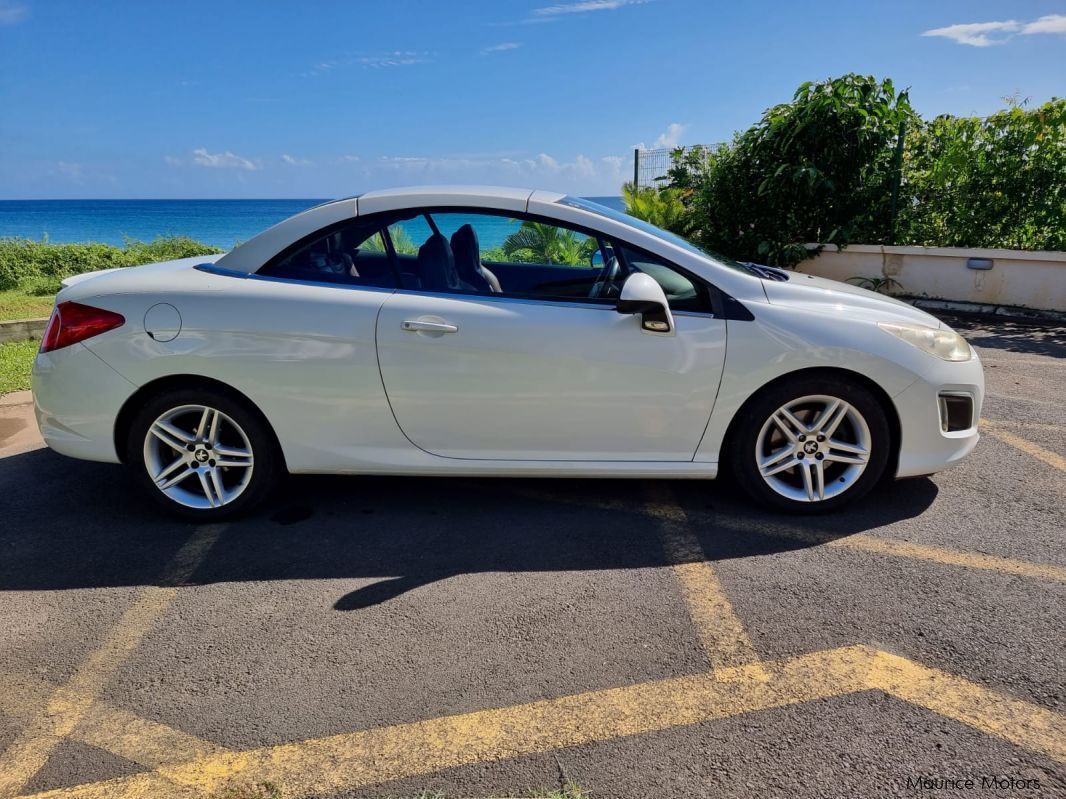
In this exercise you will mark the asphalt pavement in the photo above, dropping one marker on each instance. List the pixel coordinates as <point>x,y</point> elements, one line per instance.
<point>388,636</point>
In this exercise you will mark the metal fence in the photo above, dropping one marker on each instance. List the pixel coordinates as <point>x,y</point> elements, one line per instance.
<point>650,166</point>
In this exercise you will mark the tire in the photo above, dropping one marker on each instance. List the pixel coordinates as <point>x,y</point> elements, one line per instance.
<point>202,455</point>
<point>781,434</point>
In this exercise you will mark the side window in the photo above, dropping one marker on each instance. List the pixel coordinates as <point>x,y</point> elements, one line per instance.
<point>352,254</point>
<point>682,292</point>
<point>485,253</point>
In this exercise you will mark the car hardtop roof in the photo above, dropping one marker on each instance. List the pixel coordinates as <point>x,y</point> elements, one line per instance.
<point>252,254</point>
<point>452,190</point>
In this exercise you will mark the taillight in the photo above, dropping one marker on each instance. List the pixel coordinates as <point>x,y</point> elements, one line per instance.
<point>72,322</point>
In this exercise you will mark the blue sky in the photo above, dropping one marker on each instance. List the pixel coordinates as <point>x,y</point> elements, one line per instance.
<point>321,99</point>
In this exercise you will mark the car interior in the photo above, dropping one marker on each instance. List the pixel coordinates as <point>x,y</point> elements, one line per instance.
<point>362,253</point>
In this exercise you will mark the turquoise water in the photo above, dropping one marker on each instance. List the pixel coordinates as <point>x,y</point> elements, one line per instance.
<point>221,223</point>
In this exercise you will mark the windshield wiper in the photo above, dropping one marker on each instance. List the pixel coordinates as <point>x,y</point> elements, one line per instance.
<point>766,272</point>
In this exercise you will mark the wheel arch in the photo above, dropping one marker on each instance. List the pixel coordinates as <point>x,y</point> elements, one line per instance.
<point>153,388</point>
<point>879,393</point>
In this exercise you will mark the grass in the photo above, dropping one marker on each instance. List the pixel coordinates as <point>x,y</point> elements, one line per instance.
<point>569,792</point>
<point>30,271</point>
<point>260,790</point>
<point>268,790</point>
<point>16,361</point>
<point>20,304</point>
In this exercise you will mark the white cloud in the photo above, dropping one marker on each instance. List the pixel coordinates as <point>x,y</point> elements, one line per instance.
<point>985,34</point>
<point>584,7</point>
<point>322,67</point>
<point>547,162</point>
<point>1052,23</point>
<point>292,160</point>
<point>394,58</point>
<point>581,174</point>
<point>12,13</point>
<point>226,160</point>
<point>397,58</point>
<point>669,138</point>
<point>976,34</point>
<point>69,170</point>
<point>501,47</point>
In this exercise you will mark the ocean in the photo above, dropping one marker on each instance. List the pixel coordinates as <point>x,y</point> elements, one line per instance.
<point>220,223</point>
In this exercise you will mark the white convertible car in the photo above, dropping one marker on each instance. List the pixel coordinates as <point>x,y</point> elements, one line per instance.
<point>495,332</point>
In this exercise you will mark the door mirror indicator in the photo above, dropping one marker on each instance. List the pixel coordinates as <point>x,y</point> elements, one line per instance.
<point>641,294</point>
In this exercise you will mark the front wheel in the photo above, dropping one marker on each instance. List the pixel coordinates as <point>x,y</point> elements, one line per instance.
<point>201,454</point>
<point>811,444</point>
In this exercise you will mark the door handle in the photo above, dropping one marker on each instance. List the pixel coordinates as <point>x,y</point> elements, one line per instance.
<point>417,325</point>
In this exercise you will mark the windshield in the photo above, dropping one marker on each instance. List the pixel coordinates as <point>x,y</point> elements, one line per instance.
<point>640,224</point>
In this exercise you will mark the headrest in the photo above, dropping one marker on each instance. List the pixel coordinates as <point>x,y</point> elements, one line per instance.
<point>435,264</point>
<point>464,240</point>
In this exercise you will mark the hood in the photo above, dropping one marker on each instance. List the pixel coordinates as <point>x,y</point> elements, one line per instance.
<point>126,279</point>
<point>832,297</point>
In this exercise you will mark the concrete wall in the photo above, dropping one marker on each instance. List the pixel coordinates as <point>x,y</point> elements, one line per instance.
<point>1022,279</point>
<point>22,330</point>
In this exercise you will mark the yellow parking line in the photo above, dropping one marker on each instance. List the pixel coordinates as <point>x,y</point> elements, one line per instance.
<point>1026,446</point>
<point>951,557</point>
<point>112,729</point>
<point>894,547</point>
<point>139,786</point>
<point>70,703</point>
<point>353,760</point>
<point>898,548</point>
<point>1022,723</point>
<point>725,641</point>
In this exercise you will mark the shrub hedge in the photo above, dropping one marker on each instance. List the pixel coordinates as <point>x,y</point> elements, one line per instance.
<point>38,266</point>
<point>824,169</point>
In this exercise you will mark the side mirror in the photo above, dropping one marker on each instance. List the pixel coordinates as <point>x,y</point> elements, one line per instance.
<point>596,260</point>
<point>642,295</point>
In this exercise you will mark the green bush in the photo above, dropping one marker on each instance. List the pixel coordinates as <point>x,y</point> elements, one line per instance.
<point>663,208</point>
<point>823,168</point>
<point>993,182</point>
<point>816,169</point>
<point>38,266</point>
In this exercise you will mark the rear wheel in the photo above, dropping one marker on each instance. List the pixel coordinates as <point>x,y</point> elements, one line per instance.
<point>201,454</point>
<point>811,444</point>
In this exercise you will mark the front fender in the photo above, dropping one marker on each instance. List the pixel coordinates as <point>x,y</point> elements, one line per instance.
<point>781,341</point>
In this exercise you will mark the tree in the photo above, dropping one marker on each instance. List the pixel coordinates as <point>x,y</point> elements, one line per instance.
<point>817,169</point>
<point>539,242</point>
<point>663,208</point>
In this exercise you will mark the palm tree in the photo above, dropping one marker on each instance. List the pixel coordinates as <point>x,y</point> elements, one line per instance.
<point>662,207</point>
<point>539,242</point>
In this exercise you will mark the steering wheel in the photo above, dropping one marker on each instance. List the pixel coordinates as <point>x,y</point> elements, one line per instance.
<point>608,283</point>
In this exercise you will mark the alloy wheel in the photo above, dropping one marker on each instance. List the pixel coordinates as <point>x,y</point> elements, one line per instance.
<point>813,448</point>
<point>198,456</point>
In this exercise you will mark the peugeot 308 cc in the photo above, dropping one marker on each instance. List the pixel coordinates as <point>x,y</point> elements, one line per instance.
<point>495,332</point>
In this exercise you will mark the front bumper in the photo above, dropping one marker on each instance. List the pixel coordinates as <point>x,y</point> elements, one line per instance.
<point>76,398</point>
<point>925,447</point>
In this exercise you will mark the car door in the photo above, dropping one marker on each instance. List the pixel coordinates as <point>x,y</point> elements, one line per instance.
<point>527,375</point>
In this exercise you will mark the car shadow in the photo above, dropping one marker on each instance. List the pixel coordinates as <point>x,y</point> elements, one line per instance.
<point>1012,335</point>
<point>69,524</point>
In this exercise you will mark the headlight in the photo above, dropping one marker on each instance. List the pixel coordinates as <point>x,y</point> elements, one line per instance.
<point>946,344</point>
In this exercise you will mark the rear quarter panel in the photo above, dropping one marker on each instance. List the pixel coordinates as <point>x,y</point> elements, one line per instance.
<point>303,353</point>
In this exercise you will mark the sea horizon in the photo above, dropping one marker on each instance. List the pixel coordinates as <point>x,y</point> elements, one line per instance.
<point>216,222</point>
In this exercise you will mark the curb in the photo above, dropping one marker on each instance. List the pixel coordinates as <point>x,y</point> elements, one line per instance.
<point>1004,312</point>
<point>22,330</point>
<point>16,398</point>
